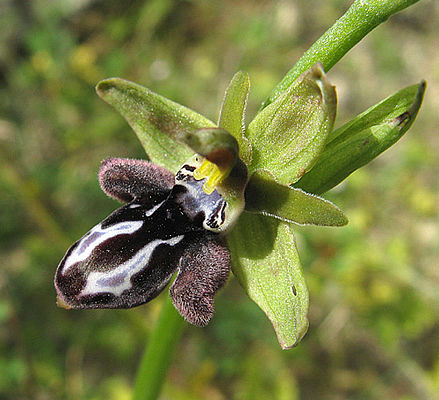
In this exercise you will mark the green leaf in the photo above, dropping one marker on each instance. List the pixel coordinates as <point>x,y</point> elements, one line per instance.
<point>266,263</point>
<point>265,196</point>
<point>232,115</point>
<point>288,136</point>
<point>365,137</point>
<point>155,119</point>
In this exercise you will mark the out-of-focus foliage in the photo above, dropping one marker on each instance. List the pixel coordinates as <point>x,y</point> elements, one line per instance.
<point>374,285</point>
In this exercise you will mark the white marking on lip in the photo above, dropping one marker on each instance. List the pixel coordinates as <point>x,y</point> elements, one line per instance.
<point>84,249</point>
<point>151,210</point>
<point>101,282</point>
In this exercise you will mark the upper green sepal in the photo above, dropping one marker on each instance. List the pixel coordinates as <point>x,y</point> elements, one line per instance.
<point>232,114</point>
<point>155,119</point>
<point>265,196</point>
<point>288,136</point>
<point>365,137</point>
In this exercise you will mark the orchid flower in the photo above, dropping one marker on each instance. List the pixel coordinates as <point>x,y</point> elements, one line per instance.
<point>221,197</point>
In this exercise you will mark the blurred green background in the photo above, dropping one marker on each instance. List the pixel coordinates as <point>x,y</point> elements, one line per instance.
<point>374,285</point>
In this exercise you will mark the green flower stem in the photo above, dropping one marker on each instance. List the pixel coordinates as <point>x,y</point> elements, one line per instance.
<point>356,23</point>
<point>159,352</point>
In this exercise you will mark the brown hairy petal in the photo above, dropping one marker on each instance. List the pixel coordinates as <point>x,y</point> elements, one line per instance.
<point>203,270</point>
<point>127,179</point>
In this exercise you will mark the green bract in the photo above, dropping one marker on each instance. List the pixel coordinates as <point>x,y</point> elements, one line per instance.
<point>359,141</point>
<point>283,142</point>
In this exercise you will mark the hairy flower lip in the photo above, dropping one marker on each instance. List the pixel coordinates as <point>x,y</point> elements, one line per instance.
<point>131,256</point>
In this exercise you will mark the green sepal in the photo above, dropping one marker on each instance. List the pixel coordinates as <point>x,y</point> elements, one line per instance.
<point>266,263</point>
<point>265,196</point>
<point>365,137</point>
<point>155,119</point>
<point>232,114</point>
<point>288,135</point>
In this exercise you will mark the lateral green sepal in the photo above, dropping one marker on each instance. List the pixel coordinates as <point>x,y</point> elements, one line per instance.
<point>265,196</point>
<point>266,263</point>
